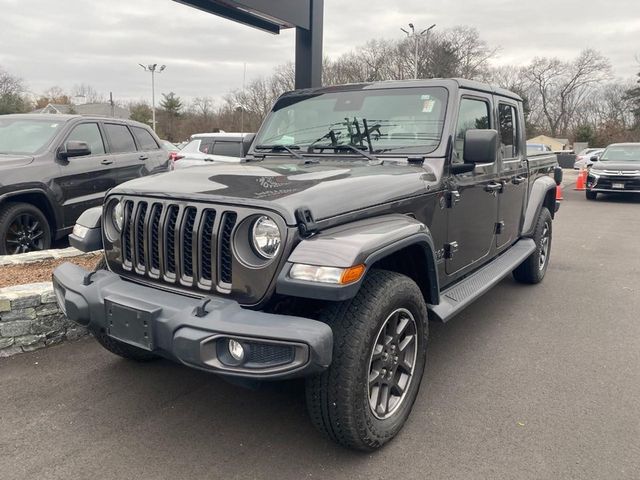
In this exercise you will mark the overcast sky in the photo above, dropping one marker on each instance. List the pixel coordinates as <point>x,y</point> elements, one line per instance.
<point>67,42</point>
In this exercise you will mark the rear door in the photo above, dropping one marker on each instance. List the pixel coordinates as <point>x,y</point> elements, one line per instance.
<point>513,173</point>
<point>473,196</point>
<point>84,181</point>
<point>151,152</point>
<point>122,146</point>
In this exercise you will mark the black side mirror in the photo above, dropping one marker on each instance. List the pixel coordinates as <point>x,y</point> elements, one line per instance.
<point>246,143</point>
<point>74,148</point>
<point>480,146</point>
<point>594,158</point>
<point>557,175</point>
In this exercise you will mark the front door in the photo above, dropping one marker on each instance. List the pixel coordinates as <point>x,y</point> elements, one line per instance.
<point>84,181</point>
<point>513,174</point>
<point>473,196</point>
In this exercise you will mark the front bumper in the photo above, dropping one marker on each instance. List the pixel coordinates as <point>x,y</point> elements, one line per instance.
<point>193,331</point>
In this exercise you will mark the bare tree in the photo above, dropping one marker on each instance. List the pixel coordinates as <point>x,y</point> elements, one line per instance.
<point>88,92</point>
<point>12,99</point>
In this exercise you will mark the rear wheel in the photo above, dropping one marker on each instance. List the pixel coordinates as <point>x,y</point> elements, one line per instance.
<point>533,269</point>
<point>23,228</point>
<point>117,347</point>
<point>591,195</point>
<point>380,338</point>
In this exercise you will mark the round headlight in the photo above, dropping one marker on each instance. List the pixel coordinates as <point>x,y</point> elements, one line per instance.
<point>265,237</point>
<point>117,216</point>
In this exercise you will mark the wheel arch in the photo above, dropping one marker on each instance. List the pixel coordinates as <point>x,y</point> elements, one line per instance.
<point>542,194</point>
<point>393,242</point>
<point>37,198</point>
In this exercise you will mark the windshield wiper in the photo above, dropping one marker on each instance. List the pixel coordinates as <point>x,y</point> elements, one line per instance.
<point>282,148</point>
<point>345,146</point>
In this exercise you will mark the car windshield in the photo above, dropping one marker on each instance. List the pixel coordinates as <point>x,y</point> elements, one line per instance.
<point>24,136</point>
<point>622,153</point>
<point>403,121</point>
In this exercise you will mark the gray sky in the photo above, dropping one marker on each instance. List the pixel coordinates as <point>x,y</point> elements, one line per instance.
<point>68,42</point>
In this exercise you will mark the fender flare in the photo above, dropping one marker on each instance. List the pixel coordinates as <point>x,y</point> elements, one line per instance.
<point>538,195</point>
<point>51,205</point>
<point>89,238</point>
<point>361,242</point>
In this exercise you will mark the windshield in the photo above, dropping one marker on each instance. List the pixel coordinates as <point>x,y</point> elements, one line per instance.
<point>407,120</point>
<point>622,153</point>
<point>24,136</point>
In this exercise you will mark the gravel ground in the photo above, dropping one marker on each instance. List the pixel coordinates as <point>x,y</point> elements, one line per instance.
<point>39,271</point>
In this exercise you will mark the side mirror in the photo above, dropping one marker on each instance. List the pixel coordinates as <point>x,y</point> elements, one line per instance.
<point>594,158</point>
<point>74,148</point>
<point>557,175</point>
<point>246,144</point>
<point>480,146</point>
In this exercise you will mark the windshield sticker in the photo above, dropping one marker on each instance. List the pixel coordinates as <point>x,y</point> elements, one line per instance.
<point>428,105</point>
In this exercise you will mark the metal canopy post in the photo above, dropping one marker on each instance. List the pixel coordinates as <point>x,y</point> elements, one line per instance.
<point>306,16</point>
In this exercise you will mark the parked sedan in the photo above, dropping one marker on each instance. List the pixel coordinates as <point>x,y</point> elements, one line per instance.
<point>54,167</point>
<point>583,159</point>
<point>213,147</point>
<point>616,170</point>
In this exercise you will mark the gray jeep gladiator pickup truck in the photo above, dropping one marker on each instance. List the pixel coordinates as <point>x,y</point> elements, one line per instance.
<point>360,212</point>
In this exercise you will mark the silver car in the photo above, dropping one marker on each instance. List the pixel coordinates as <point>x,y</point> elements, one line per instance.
<point>213,147</point>
<point>583,159</point>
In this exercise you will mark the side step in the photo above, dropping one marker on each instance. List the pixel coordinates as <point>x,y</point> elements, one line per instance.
<point>457,297</point>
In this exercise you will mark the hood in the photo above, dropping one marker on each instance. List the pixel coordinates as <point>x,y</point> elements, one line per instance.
<point>13,161</point>
<point>615,165</point>
<point>328,188</point>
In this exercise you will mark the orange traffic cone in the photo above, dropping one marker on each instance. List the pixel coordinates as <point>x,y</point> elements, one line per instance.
<point>581,182</point>
<point>559,193</point>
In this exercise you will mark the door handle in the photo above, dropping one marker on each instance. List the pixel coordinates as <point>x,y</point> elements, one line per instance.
<point>143,157</point>
<point>518,180</point>
<point>106,161</point>
<point>493,187</point>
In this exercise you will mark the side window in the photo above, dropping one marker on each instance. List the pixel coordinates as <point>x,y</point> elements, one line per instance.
<point>474,114</point>
<point>228,149</point>
<point>89,133</point>
<point>120,138</point>
<point>145,139</point>
<point>508,120</point>
<point>206,145</point>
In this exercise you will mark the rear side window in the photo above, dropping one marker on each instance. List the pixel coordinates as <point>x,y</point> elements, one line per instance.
<point>206,145</point>
<point>228,149</point>
<point>508,120</point>
<point>89,133</point>
<point>120,138</point>
<point>145,139</point>
<point>474,114</point>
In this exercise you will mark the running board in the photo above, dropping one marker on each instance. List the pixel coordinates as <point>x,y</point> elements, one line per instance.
<point>460,295</point>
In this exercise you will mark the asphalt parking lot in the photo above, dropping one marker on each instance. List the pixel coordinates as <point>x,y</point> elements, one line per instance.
<point>535,382</point>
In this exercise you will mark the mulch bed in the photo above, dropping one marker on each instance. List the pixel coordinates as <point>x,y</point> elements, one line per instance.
<point>40,271</point>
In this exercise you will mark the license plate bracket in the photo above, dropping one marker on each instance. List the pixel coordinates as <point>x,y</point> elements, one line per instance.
<point>617,185</point>
<point>131,324</point>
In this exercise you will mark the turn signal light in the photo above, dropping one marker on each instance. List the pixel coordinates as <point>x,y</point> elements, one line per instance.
<point>352,274</point>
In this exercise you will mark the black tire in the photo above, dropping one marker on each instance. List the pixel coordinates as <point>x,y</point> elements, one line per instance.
<point>533,269</point>
<point>23,228</point>
<point>591,195</point>
<point>338,400</point>
<point>117,347</point>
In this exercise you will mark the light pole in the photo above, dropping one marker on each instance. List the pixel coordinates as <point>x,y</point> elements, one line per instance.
<point>153,69</point>
<point>416,37</point>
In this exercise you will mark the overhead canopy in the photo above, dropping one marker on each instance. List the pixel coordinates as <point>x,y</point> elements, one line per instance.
<point>306,16</point>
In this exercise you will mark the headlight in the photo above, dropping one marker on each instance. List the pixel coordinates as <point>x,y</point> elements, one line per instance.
<point>117,216</point>
<point>265,237</point>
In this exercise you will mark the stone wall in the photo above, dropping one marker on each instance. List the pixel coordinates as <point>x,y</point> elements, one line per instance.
<point>30,319</point>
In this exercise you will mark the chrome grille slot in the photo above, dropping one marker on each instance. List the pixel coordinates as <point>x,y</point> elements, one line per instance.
<point>207,253</point>
<point>187,248</point>
<point>226,260</point>
<point>170,240</point>
<point>126,234</point>
<point>139,236</point>
<point>154,239</point>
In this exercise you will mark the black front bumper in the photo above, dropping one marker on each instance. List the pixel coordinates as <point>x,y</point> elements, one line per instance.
<point>193,330</point>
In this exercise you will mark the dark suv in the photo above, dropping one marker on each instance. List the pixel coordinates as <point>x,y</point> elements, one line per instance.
<point>54,167</point>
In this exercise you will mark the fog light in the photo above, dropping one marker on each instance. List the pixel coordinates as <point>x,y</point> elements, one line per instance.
<point>236,350</point>
<point>80,231</point>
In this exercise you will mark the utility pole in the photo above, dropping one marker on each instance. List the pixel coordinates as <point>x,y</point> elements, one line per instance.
<point>153,69</point>
<point>416,37</point>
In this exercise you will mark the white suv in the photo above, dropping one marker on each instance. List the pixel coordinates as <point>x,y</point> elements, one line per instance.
<point>213,147</point>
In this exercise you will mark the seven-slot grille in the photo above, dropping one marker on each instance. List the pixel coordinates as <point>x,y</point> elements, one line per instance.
<point>180,244</point>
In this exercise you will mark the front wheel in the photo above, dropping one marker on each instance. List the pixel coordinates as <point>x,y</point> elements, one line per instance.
<point>532,270</point>
<point>23,228</point>
<point>380,339</point>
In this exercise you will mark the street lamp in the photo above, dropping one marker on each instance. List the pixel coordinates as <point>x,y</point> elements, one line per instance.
<point>416,36</point>
<point>153,69</point>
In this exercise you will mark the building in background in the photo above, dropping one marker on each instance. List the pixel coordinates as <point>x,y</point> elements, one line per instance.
<point>101,109</point>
